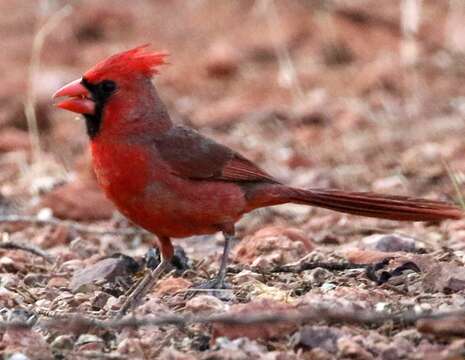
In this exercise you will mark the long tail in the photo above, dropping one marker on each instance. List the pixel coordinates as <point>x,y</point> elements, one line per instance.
<point>376,205</point>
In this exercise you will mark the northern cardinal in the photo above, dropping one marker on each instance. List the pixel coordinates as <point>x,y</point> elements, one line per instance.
<point>175,182</point>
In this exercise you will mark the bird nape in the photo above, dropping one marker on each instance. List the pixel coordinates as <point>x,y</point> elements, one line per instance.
<point>175,182</point>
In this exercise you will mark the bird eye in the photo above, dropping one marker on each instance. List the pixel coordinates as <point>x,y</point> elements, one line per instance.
<point>108,86</point>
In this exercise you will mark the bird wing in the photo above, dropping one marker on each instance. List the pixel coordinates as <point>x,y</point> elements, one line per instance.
<point>194,156</point>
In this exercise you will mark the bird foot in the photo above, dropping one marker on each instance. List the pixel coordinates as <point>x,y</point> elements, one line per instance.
<point>179,261</point>
<point>138,291</point>
<point>154,269</point>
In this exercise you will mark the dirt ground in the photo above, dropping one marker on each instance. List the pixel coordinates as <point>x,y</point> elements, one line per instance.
<point>361,95</point>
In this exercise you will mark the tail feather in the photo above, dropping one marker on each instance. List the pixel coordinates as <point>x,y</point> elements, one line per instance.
<point>368,204</point>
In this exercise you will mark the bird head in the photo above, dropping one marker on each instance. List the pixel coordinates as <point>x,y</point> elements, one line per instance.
<point>114,80</point>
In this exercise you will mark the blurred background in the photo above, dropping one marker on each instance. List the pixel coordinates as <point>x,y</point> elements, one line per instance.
<point>360,94</point>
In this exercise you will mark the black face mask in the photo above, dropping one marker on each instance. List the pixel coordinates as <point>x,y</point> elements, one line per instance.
<point>101,92</point>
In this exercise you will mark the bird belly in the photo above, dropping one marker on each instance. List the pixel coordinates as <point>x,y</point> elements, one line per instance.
<point>146,192</point>
<point>177,207</point>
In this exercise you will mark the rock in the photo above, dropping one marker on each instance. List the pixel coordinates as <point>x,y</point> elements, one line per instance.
<point>424,159</point>
<point>62,343</point>
<point>26,342</point>
<point>35,279</point>
<point>259,330</point>
<point>391,184</point>
<point>447,327</point>
<point>241,348</point>
<point>99,300</point>
<point>58,282</point>
<point>320,354</point>
<point>323,337</point>
<point>458,237</point>
<point>274,246</point>
<point>316,224</point>
<point>364,257</point>
<point>132,348</point>
<point>258,291</point>
<point>8,299</point>
<point>107,269</point>
<point>11,280</point>
<point>8,265</point>
<point>205,304</point>
<point>89,342</point>
<point>444,277</point>
<point>454,350</point>
<point>20,314</point>
<point>398,348</point>
<point>114,303</point>
<point>72,265</point>
<point>18,356</point>
<point>55,236</point>
<point>172,354</point>
<point>316,277</point>
<point>80,199</point>
<point>172,285</point>
<point>18,256</point>
<point>348,348</point>
<point>385,265</point>
<point>246,276</point>
<point>152,306</point>
<point>389,243</point>
<point>43,303</point>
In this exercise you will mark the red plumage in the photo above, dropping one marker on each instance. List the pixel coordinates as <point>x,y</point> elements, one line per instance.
<point>133,61</point>
<point>173,181</point>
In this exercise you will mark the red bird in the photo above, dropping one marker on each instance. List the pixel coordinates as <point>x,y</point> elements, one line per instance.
<point>175,182</point>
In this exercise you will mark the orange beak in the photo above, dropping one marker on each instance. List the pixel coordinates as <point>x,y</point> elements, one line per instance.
<point>80,98</point>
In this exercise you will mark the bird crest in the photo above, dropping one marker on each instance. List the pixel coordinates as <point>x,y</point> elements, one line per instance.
<point>136,60</point>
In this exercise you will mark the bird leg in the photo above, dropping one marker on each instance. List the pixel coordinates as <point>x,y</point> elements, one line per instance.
<point>218,282</point>
<point>143,287</point>
<point>224,261</point>
<point>147,282</point>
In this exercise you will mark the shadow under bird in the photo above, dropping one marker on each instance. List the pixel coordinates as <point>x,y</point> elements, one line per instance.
<point>175,182</point>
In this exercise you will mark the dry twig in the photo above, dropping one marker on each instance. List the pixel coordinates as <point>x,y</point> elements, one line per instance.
<point>72,224</point>
<point>294,316</point>
<point>34,66</point>
<point>11,245</point>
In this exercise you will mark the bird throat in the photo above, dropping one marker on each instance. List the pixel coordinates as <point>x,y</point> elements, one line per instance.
<point>94,121</point>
